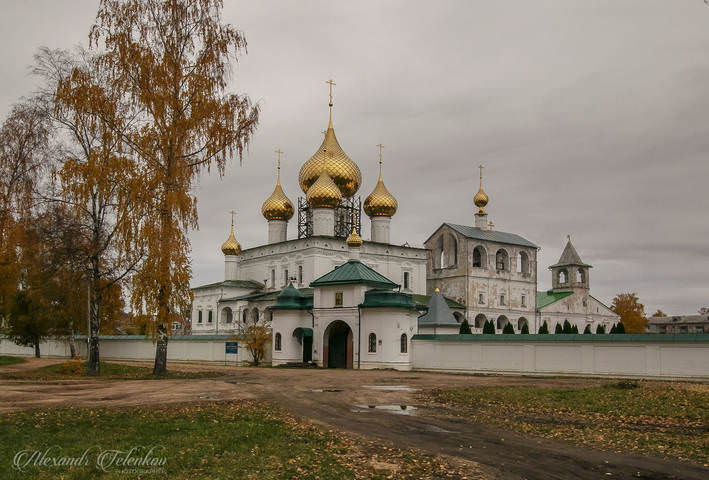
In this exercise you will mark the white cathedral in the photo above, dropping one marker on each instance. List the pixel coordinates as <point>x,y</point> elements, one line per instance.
<point>332,298</point>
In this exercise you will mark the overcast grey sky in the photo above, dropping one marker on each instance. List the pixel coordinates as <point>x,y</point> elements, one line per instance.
<point>590,116</point>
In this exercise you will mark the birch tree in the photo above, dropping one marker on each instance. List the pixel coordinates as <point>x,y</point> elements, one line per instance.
<point>173,58</point>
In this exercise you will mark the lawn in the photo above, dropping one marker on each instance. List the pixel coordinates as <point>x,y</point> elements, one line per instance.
<point>653,418</point>
<point>216,441</point>
<point>7,360</point>
<point>77,369</point>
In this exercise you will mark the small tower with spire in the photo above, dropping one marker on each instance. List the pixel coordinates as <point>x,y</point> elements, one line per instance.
<point>480,200</point>
<point>277,209</point>
<point>570,273</point>
<point>231,249</point>
<point>380,206</point>
<point>354,241</point>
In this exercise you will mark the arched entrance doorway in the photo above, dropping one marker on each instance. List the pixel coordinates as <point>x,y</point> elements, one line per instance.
<point>337,345</point>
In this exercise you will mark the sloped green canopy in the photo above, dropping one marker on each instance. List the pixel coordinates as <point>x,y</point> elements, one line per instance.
<point>354,272</point>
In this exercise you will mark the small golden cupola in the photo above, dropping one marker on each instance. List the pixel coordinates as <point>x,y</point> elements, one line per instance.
<point>354,240</point>
<point>380,203</point>
<point>480,199</point>
<point>231,246</point>
<point>332,159</point>
<point>278,206</point>
<point>323,193</point>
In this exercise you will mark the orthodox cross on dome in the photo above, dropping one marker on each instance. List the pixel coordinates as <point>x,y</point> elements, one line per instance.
<point>232,218</point>
<point>380,158</point>
<point>481,175</point>
<point>331,83</point>
<point>569,237</point>
<point>279,158</point>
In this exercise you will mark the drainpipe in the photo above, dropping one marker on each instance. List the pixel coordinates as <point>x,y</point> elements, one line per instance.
<point>359,336</point>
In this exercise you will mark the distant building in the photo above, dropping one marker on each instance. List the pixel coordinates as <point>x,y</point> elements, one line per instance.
<point>678,324</point>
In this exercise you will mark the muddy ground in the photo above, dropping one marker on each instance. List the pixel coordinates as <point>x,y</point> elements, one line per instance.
<point>342,400</point>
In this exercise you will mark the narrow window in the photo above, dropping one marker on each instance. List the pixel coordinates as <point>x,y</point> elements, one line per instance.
<point>579,276</point>
<point>273,278</point>
<point>406,280</point>
<point>300,274</point>
<point>285,277</point>
<point>477,257</point>
<point>502,300</point>
<point>338,299</point>
<point>502,260</point>
<point>481,299</point>
<point>372,343</point>
<point>404,343</point>
<point>562,276</point>
<point>199,316</point>
<point>524,300</point>
<point>278,342</point>
<point>209,317</point>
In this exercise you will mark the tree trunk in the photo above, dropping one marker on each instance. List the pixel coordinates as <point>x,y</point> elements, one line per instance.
<point>94,366</point>
<point>72,345</point>
<point>36,348</point>
<point>160,367</point>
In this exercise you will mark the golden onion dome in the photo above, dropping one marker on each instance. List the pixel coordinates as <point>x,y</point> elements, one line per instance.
<point>277,206</point>
<point>332,159</point>
<point>231,246</point>
<point>481,199</point>
<point>380,203</point>
<point>323,193</point>
<point>354,240</point>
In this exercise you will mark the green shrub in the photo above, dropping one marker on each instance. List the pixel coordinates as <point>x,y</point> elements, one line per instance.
<point>567,327</point>
<point>558,329</point>
<point>544,329</point>
<point>620,328</point>
<point>600,329</point>
<point>613,329</point>
<point>525,329</point>
<point>587,330</point>
<point>465,328</point>
<point>489,327</point>
<point>508,329</point>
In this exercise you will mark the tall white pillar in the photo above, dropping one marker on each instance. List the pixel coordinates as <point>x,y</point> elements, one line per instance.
<point>380,229</point>
<point>277,231</point>
<point>230,267</point>
<point>481,221</point>
<point>324,222</point>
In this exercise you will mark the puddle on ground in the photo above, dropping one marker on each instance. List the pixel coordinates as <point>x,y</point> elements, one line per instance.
<point>321,390</point>
<point>397,409</point>
<point>392,388</point>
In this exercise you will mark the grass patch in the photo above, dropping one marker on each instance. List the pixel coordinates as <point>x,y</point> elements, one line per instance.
<point>652,418</point>
<point>220,440</point>
<point>8,360</point>
<point>77,369</point>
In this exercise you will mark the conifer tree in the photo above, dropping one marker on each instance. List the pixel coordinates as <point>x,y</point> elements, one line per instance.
<point>567,327</point>
<point>620,328</point>
<point>508,329</point>
<point>558,329</point>
<point>600,329</point>
<point>613,329</point>
<point>525,329</point>
<point>587,330</point>
<point>465,328</point>
<point>544,329</point>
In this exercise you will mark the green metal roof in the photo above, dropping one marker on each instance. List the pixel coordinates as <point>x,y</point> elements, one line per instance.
<point>290,298</point>
<point>233,283</point>
<point>421,301</point>
<point>549,297</point>
<point>380,298</point>
<point>354,272</point>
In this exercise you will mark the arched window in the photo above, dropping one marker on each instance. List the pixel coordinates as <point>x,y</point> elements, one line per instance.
<point>372,343</point>
<point>502,321</point>
<point>227,316</point>
<point>480,320</point>
<point>300,274</point>
<point>244,315</point>
<point>453,255</point>
<point>502,260</point>
<point>254,315</point>
<point>277,342</point>
<point>440,257</point>
<point>458,317</point>
<point>523,263</point>
<point>404,343</point>
<point>199,316</point>
<point>521,322</point>
<point>479,257</point>
<point>562,276</point>
<point>579,276</point>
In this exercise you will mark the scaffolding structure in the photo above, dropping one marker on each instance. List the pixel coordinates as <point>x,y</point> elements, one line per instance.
<point>343,217</point>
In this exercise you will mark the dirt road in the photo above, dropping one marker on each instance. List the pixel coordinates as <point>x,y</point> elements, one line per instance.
<point>377,405</point>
